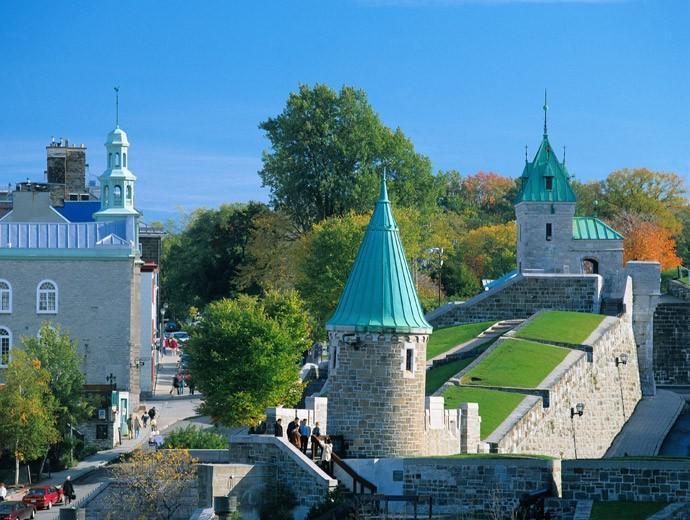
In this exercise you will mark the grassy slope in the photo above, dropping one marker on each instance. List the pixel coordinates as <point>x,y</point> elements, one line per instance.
<point>438,375</point>
<point>624,510</point>
<point>567,327</point>
<point>494,406</point>
<point>522,364</point>
<point>444,339</point>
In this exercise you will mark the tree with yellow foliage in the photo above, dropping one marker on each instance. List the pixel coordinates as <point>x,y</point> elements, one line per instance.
<point>27,410</point>
<point>152,483</point>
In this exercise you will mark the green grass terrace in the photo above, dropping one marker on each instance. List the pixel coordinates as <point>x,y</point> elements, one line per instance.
<point>438,375</point>
<point>625,510</point>
<point>494,406</point>
<point>561,326</point>
<point>516,363</point>
<point>442,340</point>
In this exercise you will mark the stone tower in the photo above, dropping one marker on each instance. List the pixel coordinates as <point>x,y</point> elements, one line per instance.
<point>544,208</point>
<point>117,186</point>
<point>377,340</point>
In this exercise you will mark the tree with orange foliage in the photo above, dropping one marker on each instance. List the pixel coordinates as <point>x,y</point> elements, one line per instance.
<point>645,240</point>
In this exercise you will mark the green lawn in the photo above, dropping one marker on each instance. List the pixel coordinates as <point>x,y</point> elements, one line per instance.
<point>625,510</point>
<point>566,327</point>
<point>517,363</point>
<point>494,406</point>
<point>445,339</point>
<point>435,377</point>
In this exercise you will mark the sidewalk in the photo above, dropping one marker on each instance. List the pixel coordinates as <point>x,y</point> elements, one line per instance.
<point>648,426</point>
<point>170,410</point>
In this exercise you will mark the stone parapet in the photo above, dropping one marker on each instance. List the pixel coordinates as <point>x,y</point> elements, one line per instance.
<point>679,290</point>
<point>672,342</point>
<point>627,480</point>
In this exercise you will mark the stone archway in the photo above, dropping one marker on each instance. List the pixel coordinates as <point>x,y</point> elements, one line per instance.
<point>590,266</point>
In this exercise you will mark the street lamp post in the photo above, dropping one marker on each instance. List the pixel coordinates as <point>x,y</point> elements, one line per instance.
<point>621,360</point>
<point>578,410</point>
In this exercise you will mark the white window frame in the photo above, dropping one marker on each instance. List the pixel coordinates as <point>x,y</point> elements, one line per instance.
<point>39,291</point>
<point>9,289</point>
<point>9,346</point>
<point>409,346</point>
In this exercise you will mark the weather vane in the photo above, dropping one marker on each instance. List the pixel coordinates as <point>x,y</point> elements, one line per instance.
<point>546,108</point>
<point>117,106</point>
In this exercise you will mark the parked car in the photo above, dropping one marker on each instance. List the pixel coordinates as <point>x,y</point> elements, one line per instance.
<point>16,511</point>
<point>44,496</point>
<point>181,336</point>
<point>172,326</point>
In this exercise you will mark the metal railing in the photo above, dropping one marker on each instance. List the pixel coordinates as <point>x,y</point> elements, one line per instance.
<point>364,484</point>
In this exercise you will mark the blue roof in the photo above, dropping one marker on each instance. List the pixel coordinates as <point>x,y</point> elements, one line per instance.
<point>79,211</point>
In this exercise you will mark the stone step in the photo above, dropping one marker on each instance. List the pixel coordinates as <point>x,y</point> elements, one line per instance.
<point>583,510</point>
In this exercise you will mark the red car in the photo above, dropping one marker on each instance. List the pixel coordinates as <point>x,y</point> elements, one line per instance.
<point>16,511</point>
<point>43,496</point>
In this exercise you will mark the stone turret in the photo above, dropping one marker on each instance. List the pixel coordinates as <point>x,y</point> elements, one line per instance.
<point>377,340</point>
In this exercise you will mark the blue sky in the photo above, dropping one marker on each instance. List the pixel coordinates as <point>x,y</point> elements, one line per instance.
<point>463,79</point>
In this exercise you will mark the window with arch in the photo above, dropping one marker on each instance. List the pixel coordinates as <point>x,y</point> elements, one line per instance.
<point>117,196</point>
<point>117,159</point>
<point>110,160</point>
<point>5,342</point>
<point>47,297</point>
<point>106,196</point>
<point>5,296</point>
<point>124,160</point>
<point>129,192</point>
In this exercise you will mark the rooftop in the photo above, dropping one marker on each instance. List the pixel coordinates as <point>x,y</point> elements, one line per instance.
<point>591,228</point>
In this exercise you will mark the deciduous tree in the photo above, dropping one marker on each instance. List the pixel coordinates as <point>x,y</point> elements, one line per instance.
<point>245,353</point>
<point>646,240</point>
<point>489,251</point>
<point>152,483</point>
<point>328,150</point>
<point>27,410</point>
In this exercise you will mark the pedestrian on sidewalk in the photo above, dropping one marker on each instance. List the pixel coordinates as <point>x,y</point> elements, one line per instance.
<point>180,388</point>
<point>316,432</point>
<point>3,492</point>
<point>295,438</point>
<point>175,385</point>
<point>68,490</point>
<point>154,425</point>
<point>145,419</point>
<point>304,434</point>
<point>152,412</point>
<point>130,431</point>
<point>137,426</point>
<point>277,428</point>
<point>192,385</point>
<point>291,428</point>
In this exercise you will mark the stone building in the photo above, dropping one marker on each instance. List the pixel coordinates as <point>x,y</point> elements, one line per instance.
<point>550,237</point>
<point>378,338</point>
<point>78,265</point>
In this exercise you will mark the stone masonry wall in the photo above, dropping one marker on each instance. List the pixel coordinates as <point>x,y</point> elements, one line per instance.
<point>679,290</point>
<point>672,342</point>
<point>522,297</point>
<point>628,480</point>
<point>609,393</point>
<point>287,465</point>
<point>373,399</point>
<point>482,488</point>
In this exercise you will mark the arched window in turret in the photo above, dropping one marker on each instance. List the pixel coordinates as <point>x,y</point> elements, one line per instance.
<point>106,197</point>
<point>129,193</point>
<point>124,160</point>
<point>117,196</point>
<point>110,160</point>
<point>117,160</point>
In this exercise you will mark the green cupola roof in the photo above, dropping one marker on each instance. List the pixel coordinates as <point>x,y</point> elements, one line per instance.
<point>545,179</point>
<point>379,295</point>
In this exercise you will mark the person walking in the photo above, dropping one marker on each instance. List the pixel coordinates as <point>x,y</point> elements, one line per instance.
<point>277,427</point>
<point>316,432</point>
<point>327,456</point>
<point>291,428</point>
<point>68,490</point>
<point>180,388</point>
<point>295,438</point>
<point>145,419</point>
<point>3,492</point>
<point>166,346</point>
<point>137,426</point>
<point>192,385</point>
<point>130,430</point>
<point>304,434</point>
<point>152,413</point>
<point>154,425</point>
<point>176,385</point>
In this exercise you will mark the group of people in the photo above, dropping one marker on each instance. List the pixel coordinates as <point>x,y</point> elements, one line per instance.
<point>180,382</point>
<point>170,344</point>
<point>136,423</point>
<point>299,433</point>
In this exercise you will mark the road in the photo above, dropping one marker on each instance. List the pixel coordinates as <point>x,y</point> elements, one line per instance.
<point>82,487</point>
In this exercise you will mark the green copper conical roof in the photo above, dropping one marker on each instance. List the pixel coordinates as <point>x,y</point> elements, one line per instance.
<point>379,295</point>
<point>535,184</point>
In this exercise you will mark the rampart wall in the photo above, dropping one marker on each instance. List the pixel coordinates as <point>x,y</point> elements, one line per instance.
<point>672,336</point>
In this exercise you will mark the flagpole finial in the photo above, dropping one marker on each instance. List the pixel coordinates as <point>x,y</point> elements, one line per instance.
<point>117,106</point>
<point>546,108</point>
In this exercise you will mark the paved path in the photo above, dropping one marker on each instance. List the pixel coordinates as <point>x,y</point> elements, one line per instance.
<point>171,409</point>
<point>646,430</point>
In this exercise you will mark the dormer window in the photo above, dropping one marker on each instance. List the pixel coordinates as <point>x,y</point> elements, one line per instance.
<point>549,183</point>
